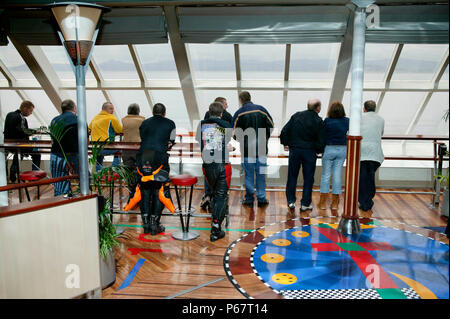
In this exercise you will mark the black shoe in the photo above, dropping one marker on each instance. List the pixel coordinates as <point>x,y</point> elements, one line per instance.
<point>262,203</point>
<point>291,206</point>
<point>156,229</point>
<point>216,234</point>
<point>248,203</point>
<point>146,228</point>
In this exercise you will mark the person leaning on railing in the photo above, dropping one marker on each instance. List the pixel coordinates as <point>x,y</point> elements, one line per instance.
<point>16,125</point>
<point>66,143</point>
<point>131,124</point>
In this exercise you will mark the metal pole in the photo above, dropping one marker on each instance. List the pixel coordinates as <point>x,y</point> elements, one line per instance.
<point>82,129</point>
<point>3,167</point>
<point>349,223</point>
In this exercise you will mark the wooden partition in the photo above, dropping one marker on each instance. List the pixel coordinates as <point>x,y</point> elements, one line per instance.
<point>50,248</point>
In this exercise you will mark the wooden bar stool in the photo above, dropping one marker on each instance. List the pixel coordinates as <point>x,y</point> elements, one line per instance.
<point>32,176</point>
<point>185,181</point>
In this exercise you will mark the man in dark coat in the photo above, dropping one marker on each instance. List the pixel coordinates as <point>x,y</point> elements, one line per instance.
<point>304,137</point>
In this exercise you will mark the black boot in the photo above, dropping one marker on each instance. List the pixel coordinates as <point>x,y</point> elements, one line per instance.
<point>155,227</point>
<point>146,223</point>
<point>216,232</point>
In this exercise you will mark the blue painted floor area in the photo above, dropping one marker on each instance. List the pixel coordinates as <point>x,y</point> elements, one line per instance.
<point>298,266</point>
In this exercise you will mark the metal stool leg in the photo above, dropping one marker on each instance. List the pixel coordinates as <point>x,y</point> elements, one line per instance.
<point>185,233</point>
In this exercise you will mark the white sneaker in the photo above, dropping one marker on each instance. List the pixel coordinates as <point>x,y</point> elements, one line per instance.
<point>305,208</point>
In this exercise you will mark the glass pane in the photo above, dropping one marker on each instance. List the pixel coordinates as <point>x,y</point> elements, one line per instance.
<point>61,64</point>
<point>14,62</point>
<point>212,61</point>
<point>115,62</point>
<point>175,107</point>
<point>367,95</point>
<point>42,105</point>
<point>9,102</point>
<point>377,59</point>
<point>206,97</point>
<point>157,61</point>
<point>298,100</point>
<point>419,61</point>
<point>94,102</point>
<point>398,109</point>
<point>262,61</point>
<point>315,61</point>
<point>123,98</point>
<point>431,122</point>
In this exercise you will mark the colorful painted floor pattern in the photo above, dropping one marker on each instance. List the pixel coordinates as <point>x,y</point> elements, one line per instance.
<point>310,259</point>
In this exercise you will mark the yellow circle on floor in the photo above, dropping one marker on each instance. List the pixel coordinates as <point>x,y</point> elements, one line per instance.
<point>272,258</point>
<point>281,242</point>
<point>300,233</point>
<point>284,278</point>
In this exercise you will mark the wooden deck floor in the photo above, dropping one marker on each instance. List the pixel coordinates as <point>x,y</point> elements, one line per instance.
<point>176,269</point>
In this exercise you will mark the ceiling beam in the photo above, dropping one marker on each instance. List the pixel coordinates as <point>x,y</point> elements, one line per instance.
<point>42,70</point>
<point>343,64</point>
<point>390,71</point>
<point>140,71</point>
<point>287,63</point>
<point>8,76</point>
<point>181,57</point>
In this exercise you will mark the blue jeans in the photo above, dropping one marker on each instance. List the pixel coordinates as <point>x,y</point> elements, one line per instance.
<point>100,157</point>
<point>332,162</point>
<point>251,167</point>
<point>59,168</point>
<point>301,157</point>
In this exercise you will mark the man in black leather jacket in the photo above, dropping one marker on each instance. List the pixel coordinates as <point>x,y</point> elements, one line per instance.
<point>252,126</point>
<point>304,137</point>
<point>227,117</point>
<point>157,137</point>
<point>213,136</point>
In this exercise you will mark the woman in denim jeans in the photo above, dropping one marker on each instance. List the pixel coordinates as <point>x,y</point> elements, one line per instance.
<point>336,128</point>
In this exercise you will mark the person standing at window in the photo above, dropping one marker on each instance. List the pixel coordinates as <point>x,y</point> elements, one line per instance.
<point>104,126</point>
<point>252,126</point>
<point>227,117</point>
<point>336,128</point>
<point>16,125</point>
<point>303,137</point>
<point>67,125</point>
<point>131,124</point>
<point>372,129</point>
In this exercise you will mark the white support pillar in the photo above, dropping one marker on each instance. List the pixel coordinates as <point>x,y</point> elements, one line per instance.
<point>349,223</point>
<point>358,53</point>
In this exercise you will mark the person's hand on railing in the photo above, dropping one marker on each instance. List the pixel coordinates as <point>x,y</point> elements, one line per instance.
<point>286,148</point>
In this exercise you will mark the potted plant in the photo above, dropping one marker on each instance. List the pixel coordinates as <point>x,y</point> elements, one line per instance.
<point>100,181</point>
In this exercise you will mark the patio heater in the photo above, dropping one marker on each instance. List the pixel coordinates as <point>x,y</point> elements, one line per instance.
<point>79,23</point>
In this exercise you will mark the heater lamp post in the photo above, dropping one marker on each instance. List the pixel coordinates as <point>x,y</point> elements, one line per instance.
<point>78,28</point>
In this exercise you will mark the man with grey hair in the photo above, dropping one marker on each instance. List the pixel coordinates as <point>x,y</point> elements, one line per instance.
<point>131,124</point>
<point>304,137</point>
<point>372,129</point>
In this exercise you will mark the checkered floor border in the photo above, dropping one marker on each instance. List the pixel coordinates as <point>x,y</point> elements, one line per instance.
<point>341,294</point>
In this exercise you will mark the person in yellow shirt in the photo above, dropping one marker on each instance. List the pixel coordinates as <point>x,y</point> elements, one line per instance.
<point>104,126</point>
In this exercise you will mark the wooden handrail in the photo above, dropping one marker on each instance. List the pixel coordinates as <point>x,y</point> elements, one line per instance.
<point>28,207</point>
<point>37,183</point>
